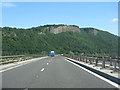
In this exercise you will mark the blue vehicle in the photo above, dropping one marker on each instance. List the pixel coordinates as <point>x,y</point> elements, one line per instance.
<point>52,53</point>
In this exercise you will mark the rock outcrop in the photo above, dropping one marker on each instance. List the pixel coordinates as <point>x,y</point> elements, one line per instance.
<point>90,30</point>
<point>60,29</point>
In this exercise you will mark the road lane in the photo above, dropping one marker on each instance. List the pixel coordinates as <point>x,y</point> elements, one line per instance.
<point>59,73</point>
<point>19,77</point>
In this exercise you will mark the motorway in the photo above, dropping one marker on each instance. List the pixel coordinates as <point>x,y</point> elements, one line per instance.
<point>51,72</point>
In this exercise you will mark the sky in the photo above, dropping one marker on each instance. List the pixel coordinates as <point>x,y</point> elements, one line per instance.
<point>100,15</point>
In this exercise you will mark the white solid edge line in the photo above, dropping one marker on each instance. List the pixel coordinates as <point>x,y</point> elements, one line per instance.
<point>42,69</point>
<point>12,67</point>
<point>108,81</point>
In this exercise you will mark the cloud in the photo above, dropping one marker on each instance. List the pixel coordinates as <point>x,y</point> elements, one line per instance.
<point>6,4</point>
<point>114,19</point>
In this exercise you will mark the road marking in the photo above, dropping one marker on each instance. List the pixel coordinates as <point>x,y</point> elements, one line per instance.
<point>12,67</point>
<point>42,69</point>
<point>21,64</point>
<point>47,63</point>
<point>25,89</point>
<point>108,81</point>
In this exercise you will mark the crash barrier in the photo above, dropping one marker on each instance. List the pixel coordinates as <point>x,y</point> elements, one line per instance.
<point>114,79</point>
<point>104,62</point>
<point>14,59</point>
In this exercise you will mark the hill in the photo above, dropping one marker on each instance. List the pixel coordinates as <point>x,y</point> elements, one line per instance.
<point>66,39</point>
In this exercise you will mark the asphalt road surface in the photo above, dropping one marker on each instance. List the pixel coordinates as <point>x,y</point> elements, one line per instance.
<point>52,72</point>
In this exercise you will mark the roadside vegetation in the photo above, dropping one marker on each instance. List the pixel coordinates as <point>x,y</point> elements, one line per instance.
<point>18,41</point>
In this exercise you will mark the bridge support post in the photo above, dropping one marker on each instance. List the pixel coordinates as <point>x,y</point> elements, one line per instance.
<point>103,63</point>
<point>93,59</point>
<point>86,60</point>
<point>83,59</point>
<point>96,62</point>
<point>110,61</point>
<point>78,58</point>
<point>90,60</point>
<point>115,69</point>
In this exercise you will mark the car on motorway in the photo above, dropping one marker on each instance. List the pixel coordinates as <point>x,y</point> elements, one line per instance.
<point>52,53</point>
<point>61,54</point>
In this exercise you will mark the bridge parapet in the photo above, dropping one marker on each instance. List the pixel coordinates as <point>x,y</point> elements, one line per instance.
<point>104,62</point>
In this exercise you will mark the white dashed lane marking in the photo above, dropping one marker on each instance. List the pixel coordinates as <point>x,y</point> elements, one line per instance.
<point>42,69</point>
<point>25,89</point>
<point>47,63</point>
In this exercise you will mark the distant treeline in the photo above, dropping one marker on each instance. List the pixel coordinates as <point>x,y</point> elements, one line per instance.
<point>18,41</point>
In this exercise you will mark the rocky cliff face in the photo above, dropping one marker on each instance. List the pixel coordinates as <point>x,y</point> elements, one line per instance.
<point>90,30</point>
<point>60,29</point>
<point>64,28</point>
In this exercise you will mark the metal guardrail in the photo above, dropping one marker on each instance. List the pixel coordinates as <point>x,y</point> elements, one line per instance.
<point>13,60</point>
<point>113,63</point>
<point>16,59</point>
